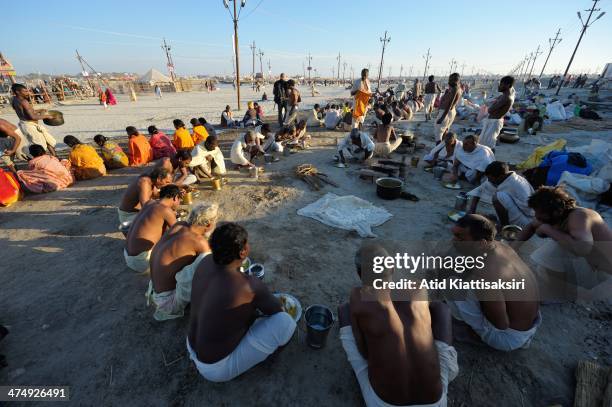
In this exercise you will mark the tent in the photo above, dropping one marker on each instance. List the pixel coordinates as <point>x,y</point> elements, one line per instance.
<point>154,76</point>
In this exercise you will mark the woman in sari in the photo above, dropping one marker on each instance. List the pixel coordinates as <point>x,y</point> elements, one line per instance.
<point>160,143</point>
<point>110,98</point>
<point>45,172</point>
<point>86,163</point>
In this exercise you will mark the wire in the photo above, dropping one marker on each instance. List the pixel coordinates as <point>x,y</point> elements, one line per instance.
<point>252,11</point>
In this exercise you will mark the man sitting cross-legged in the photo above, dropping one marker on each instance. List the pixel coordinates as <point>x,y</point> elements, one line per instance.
<point>175,258</point>
<point>140,191</point>
<point>400,351</point>
<point>226,338</point>
<point>387,140</point>
<point>149,226</point>
<point>503,319</point>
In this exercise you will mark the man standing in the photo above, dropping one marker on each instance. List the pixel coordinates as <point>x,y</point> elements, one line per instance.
<point>509,195</point>
<point>280,98</point>
<point>293,100</point>
<point>431,92</point>
<point>492,125</point>
<point>417,90</point>
<point>362,92</point>
<point>227,335</point>
<point>35,132</point>
<point>149,226</point>
<point>447,112</point>
<point>175,258</point>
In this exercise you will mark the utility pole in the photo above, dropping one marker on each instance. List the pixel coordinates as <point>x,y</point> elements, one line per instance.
<point>269,70</point>
<point>426,57</point>
<point>584,27</point>
<point>552,42</point>
<point>166,49</point>
<point>261,54</point>
<point>535,56</point>
<point>527,62</point>
<point>235,16</point>
<point>338,58</point>
<point>333,72</point>
<point>401,70</point>
<point>253,52</point>
<point>462,68</point>
<point>389,76</point>
<point>309,65</point>
<point>410,72</point>
<point>384,41</point>
<point>343,71</point>
<point>80,59</point>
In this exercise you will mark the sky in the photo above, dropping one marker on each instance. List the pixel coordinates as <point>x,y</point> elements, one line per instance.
<point>125,36</point>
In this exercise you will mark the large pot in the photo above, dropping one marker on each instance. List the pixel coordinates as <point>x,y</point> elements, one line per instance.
<point>389,188</point>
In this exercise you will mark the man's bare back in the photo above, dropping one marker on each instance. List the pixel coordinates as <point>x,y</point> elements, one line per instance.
<point>384,133</point>
<point>396,339</point>
<point>139,192</point>
<point>450,98</point>
<point>175,250</point>
<point>148,227</point>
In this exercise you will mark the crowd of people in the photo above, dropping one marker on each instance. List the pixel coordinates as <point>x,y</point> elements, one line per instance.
<point>401,351</point>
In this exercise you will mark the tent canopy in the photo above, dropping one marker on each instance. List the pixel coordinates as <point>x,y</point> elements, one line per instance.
<point>154,76</point>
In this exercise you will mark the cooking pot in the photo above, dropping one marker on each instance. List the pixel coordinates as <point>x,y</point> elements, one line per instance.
<point>56,120</point>
<point>389,188</point>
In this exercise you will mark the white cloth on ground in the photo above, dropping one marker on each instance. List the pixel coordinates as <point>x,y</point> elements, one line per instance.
<point>490,131</point>
<point>448,370</point>
<point>171,304</point>
<point>138,263</point>
<point>470,312</point>
<point>513,194</point>
<point>261,340</point>
<point>440,129</point>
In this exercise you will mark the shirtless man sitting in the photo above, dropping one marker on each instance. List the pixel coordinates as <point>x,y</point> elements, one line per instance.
<point>226,338</point>
<point>386,139</point>
<point>149,226</point>
<point>179,167</point>
<point>576,259</point>
<point>140,191</point>
<point>175,258</point>
<point>400,351</point>
<point>503,319</point>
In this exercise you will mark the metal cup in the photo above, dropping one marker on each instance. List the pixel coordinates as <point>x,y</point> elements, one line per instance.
<point>215,184</point>
<point>257,270</point>
<point>461,201</point>
<point>438,172</point>
<point>319,320</point>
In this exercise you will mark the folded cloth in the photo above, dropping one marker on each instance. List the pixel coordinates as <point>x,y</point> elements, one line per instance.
<point>384,149</point>
<point>171,304</point>
<point>261,340</point>
<point>126,216</point>
<point>440,129</point>
<point>469,311</point>
<point>138,263</point>
<point>448,369</point>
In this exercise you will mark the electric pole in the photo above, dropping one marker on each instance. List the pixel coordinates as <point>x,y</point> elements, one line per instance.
<point>253,52</point>
<point>85,73</point>
<point>338,58</point>
<point>426,58</point>
<point>401,70</point>
<point>235,17</point>
<point>389,77</point>
<point>384,41</point>
<point>343,71</point>
<point>584,27</point>
<point>309,65</point>
<point>269,70</point>
<point>552,42</point>
<point>452,64</point>
<point>166,49</point>
<point>261,54</point>
<point>535,56</point>
<point>462,68</point>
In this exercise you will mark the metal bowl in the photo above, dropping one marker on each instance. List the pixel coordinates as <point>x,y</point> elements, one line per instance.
<point>56,120</point>
<point>510,232</point>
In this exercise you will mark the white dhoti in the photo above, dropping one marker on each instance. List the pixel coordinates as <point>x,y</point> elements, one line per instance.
<point>37,133</point>
<point>189,179</point>
<point>171,304</point>
<point>429,101</point>
<point>490,131</point>
<point>448,369</point>
<point>440,129</point>
<point>516,216</point>
<point>126,216</point>
<point>138,263</point>
<point>470,174</point>
<point>385,149</point>
<point>469,311</point>
<point>262,339</point>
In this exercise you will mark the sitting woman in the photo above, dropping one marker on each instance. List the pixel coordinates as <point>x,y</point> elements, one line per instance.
<point>251,118</point>
<point>227,118</point>
<point>45,172</point>
<point>86,163</point>
<point>443,154</point>
<point>112,153</point>
<point>160,144</point>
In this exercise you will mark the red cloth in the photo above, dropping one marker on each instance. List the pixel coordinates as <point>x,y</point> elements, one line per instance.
<point>161,145</point>
<point>9,188</point>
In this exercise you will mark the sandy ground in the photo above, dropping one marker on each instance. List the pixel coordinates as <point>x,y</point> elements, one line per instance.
<point>78,316</point>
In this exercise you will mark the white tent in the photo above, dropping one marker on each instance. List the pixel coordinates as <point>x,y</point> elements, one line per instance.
<point>154,76</point>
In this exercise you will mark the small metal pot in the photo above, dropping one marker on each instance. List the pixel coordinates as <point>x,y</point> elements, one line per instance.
<point>215,183</point>
<point>389,188</point>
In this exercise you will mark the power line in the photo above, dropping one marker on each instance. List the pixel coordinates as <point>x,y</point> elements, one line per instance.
<point>552,42</point>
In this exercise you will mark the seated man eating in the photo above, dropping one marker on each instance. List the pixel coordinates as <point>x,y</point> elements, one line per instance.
<point>503,319</point>
<point>178,165</point>
<point>208,161</point>
<point>140,191</point>
<point>400,351</point>
<point>509,194</point>
<point>174,260</point>
<point>238,154</point>
<point>226,337</point>
<point>386,139</point>
<point>471,159</point>
<point>149,226</point>
<point>443,154</point>
<point>353,145</point>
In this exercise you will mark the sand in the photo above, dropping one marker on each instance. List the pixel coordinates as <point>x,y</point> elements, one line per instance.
<point>78,316</point>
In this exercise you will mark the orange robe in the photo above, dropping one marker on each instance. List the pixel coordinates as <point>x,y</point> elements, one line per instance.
<point>182,139</point>
<point>86,163</point>
<point>199,135</point>
<point>140,151</point>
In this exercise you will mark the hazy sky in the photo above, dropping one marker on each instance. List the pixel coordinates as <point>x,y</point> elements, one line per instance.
<point>126,35</point>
